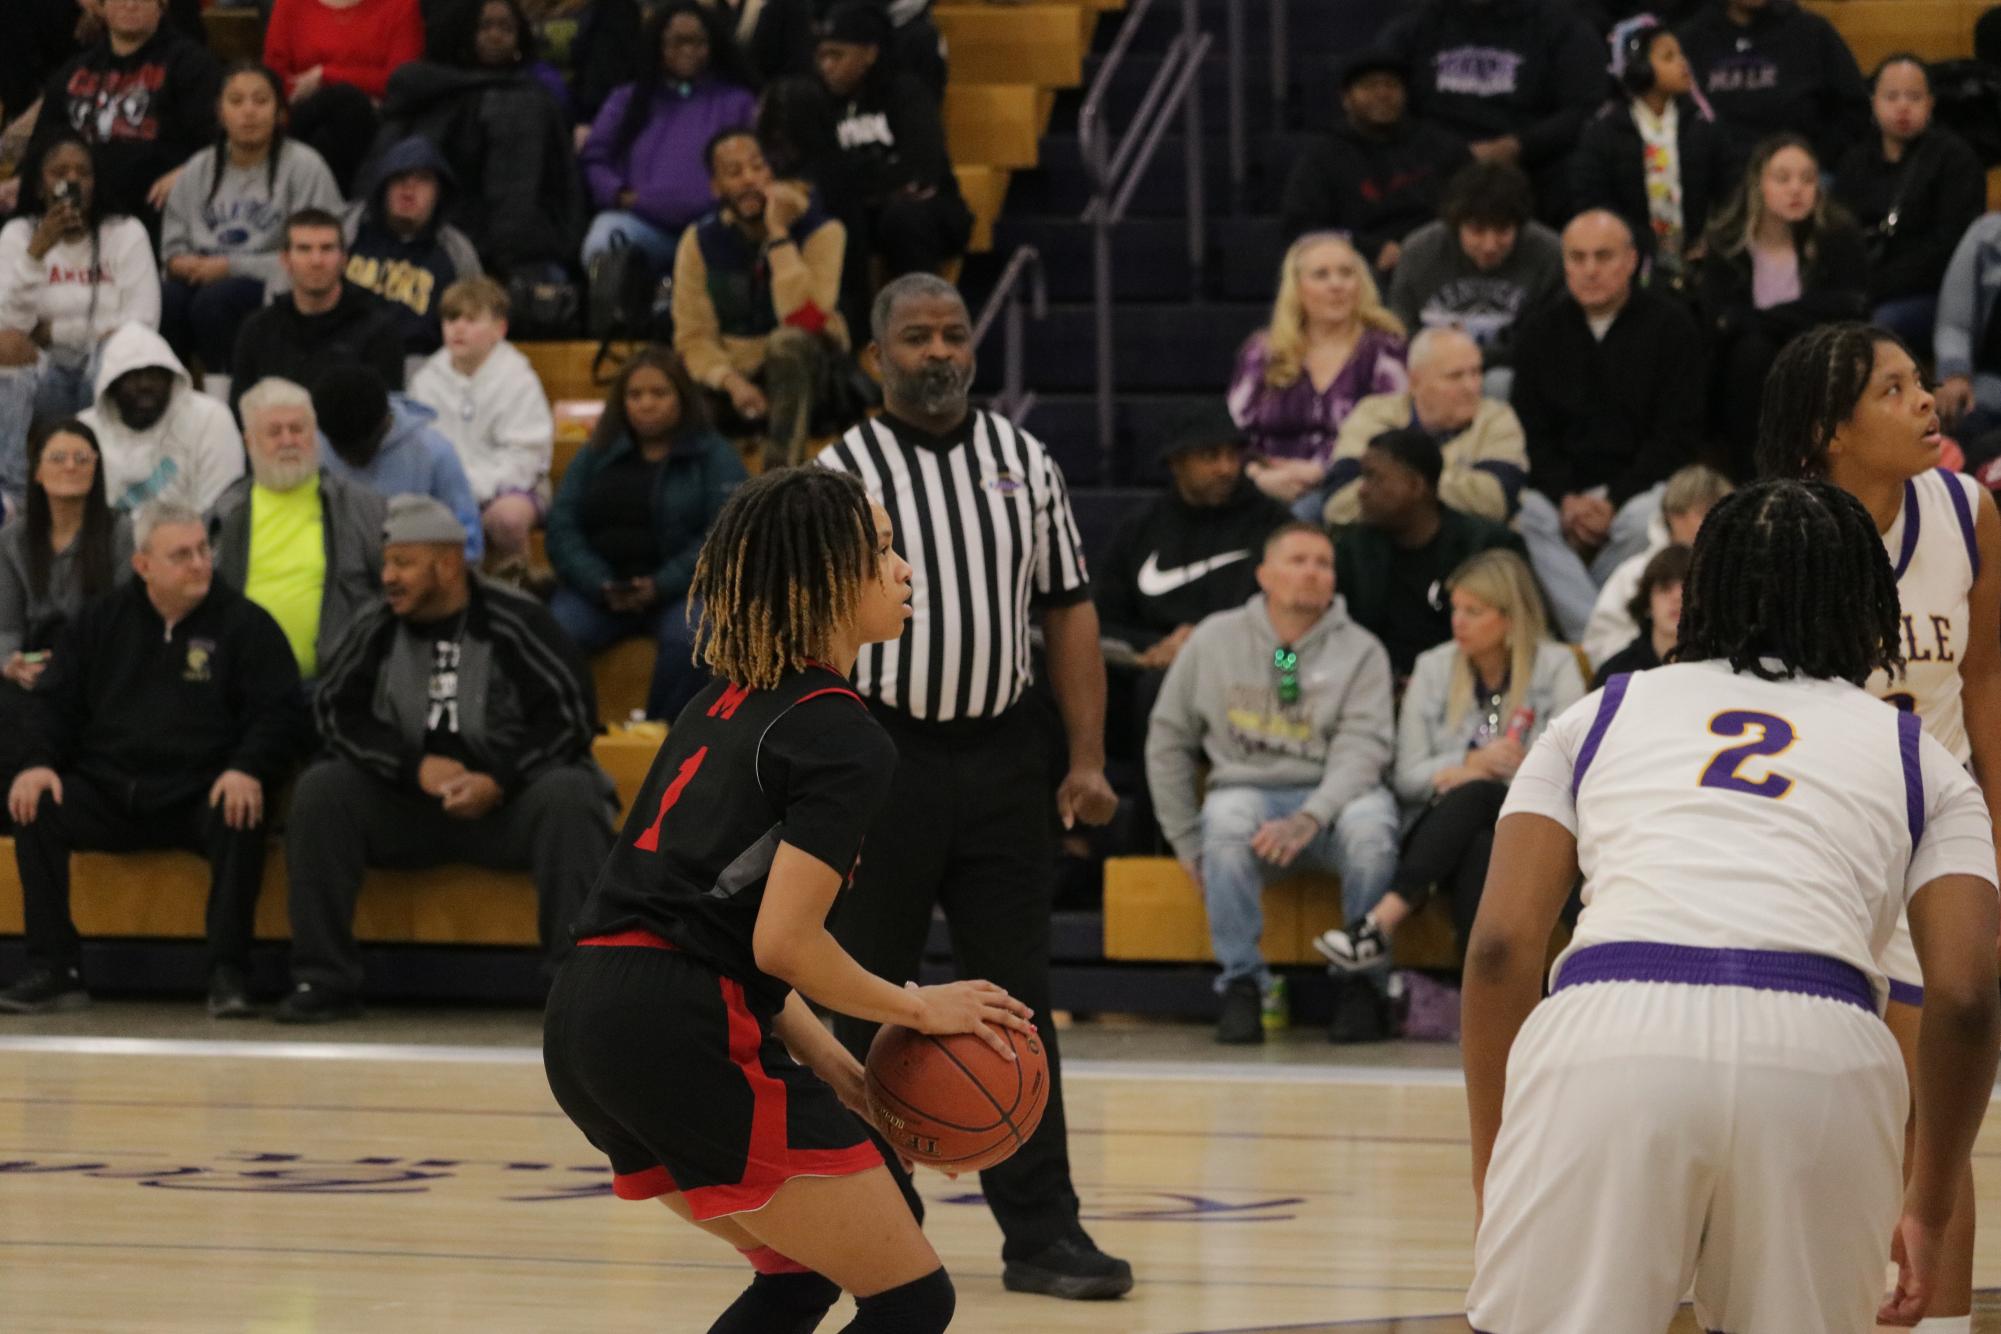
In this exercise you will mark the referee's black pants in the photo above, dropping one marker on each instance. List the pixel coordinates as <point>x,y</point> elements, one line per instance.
<point>968,826</point>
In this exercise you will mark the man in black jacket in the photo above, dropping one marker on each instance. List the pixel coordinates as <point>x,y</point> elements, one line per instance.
<point>323,321</point>
<point>908,211</point>
<point>172,709</point>
<point>1380,175</point>
<point>143,95</point>
<point>1609,389</point>
<point>459,722</point>
<point>1768,66</point>
<point>1514,78</point>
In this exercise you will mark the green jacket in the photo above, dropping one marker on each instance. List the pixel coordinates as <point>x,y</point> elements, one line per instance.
<point>699,475</point>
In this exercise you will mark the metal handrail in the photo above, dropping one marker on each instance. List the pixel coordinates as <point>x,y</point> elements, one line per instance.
<point>1116,172</point>
<point>1015,401</point>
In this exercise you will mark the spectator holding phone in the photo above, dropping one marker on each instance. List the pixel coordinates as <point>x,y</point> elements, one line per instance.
<point>629,519</point>
<point>1473,709</point>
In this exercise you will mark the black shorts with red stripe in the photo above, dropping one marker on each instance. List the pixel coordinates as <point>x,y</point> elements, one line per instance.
<point>663,1065</point>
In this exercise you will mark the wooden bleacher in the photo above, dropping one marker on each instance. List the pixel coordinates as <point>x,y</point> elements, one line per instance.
<point>163,895</point>
<point>1873,29</point>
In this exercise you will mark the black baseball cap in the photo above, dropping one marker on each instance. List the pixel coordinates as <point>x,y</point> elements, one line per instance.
<point>1372,60</point>
<point>1199,428</point>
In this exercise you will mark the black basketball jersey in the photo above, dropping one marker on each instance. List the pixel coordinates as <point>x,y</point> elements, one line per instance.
<point>743,771</point>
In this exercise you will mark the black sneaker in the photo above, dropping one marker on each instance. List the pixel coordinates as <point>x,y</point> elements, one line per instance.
<point>1241,1023</point>
<point>46,991</point>
<point>1356,950</point>
<point>227,996</point>
<point>1074,1268</point>
<point>309,1004</point>
<point>1361,1012</point>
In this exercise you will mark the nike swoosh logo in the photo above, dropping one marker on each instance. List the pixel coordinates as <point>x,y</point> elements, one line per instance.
<point>1155,582</point>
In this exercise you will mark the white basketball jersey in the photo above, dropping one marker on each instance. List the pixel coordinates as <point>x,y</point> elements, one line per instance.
<point>1936,556</point>
<point>1720,810</point>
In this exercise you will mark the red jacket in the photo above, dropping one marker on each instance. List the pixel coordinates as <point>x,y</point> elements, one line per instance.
<point>362,45</point>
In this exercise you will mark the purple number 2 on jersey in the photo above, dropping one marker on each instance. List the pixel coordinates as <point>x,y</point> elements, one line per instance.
<point>1772,735</point>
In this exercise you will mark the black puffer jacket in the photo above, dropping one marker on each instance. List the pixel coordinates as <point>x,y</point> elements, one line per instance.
<point>520,196</point>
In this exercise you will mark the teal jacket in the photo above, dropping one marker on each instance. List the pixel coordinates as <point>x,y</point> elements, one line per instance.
<point>699,476</point>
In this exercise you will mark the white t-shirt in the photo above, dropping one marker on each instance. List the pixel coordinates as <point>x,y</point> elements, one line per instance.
<point>1728,812</point>
<point>58,286</point>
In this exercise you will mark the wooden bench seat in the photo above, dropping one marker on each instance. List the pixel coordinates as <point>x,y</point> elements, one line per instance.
<point>163,895</point>
<point>1154,914</point>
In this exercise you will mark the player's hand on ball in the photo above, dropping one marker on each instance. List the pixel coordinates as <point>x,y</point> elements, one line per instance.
<point>971,1007</point>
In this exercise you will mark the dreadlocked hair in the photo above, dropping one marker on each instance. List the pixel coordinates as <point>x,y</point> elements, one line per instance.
<point>781,570</point>
<point>1793,571</point>
<point>1813,388</point>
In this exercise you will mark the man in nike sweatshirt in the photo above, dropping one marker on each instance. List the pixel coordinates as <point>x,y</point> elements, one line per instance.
<point>1288,703</point>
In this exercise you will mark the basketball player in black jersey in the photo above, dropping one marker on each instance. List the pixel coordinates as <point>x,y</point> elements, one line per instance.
<point>677,1037</point>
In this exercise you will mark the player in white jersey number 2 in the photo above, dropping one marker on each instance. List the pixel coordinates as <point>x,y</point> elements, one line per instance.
<point>1710,1093</point>
<point>1846,402</point>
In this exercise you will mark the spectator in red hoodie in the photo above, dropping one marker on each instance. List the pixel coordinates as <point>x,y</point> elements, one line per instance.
<point>336,57</point>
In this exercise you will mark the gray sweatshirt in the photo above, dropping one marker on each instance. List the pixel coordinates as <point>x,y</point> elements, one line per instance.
<point>1437,286</point>
<point>245,221</point>
<point>1220,702</point>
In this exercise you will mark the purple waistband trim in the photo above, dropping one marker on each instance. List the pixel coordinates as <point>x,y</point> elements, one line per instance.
<point>1761,970</point>
<point>1907,993</point>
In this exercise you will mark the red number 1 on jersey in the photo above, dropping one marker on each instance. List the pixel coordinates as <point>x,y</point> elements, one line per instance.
<point>650,840</point>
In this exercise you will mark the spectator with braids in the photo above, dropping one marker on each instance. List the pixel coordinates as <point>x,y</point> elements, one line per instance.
<point>1846,403</point>
<point>225,217</point>
<point>766,787</point>
<point>627,524</point>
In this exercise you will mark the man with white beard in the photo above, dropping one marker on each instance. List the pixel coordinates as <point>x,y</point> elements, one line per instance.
<point>300,542</point>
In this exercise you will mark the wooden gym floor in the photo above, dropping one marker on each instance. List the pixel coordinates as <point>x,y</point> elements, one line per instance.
<point>412,1174</point>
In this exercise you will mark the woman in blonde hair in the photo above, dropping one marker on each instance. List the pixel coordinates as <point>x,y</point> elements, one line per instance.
<point>1329,345</point>
<point>1474,707</point>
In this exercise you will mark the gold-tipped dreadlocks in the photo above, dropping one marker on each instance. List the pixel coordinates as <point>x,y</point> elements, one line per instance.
<point>783,566</point>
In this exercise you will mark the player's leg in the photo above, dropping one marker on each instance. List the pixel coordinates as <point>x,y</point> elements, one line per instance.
<point>856,1232</point>
<point>1793,1245</point>
<point>786,1297</point>
<point>1952,1299</point>
<point>1595,1198</point>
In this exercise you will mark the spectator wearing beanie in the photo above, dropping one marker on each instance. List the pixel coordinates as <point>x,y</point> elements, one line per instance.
<point>389,446</point>
<point>1380,175</point>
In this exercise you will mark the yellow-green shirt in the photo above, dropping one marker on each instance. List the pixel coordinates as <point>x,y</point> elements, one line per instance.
<point>288,565</point>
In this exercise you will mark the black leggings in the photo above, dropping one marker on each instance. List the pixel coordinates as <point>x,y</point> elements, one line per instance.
<point>1447,850</point>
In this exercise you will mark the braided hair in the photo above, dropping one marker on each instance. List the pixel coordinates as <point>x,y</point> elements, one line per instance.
<point>1814,386</point>
<point>1792,570</point>
<point>781,570</point>
<point>255,69</point>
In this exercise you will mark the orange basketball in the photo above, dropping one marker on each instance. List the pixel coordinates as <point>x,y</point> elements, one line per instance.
<point>955,1103</point>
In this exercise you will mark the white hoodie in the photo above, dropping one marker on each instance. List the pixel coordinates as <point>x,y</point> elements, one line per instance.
<point>189,456</point>
<point>57,287</point>
<point>497,419</point>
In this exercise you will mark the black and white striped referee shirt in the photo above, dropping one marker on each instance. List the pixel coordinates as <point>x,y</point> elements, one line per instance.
<point>984,519</point>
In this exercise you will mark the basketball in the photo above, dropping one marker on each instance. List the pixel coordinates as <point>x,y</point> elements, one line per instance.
<point>954,1103</point>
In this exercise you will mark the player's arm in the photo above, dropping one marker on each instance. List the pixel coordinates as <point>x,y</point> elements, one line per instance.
<point>1980,670</point>
<point>1533,867</point>
<point>791,942</point>
<point>818,1050</point>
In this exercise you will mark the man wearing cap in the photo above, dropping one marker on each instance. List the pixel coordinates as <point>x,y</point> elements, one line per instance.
<point>300,542</point>
<point>893,161</point>
<point>1287,701</point>
<point>389,446</point>
<point>458,724</point>
<point>1394,563</point>
<point>1381,173</point>
<point>169,715</point>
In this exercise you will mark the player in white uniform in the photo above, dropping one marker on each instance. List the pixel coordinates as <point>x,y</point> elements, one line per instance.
<point>1847,403</point>
<point>1709,1093</point>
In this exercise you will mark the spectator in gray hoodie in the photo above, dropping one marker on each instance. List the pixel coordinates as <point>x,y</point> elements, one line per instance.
<point>1288,702</point>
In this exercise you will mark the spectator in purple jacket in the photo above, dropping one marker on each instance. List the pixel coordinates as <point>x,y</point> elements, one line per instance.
<point>643,159</point>
<point>1329,345</point>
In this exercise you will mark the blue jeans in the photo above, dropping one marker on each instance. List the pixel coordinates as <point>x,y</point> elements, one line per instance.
<point>677,678</point>
<point>607,229</point>
<point>45,392</point>
<point>1360,846</point>
<point>200,323</point>
<point>1571,585</point>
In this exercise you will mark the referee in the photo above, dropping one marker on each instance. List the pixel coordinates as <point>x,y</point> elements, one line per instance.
<point>982,516</point>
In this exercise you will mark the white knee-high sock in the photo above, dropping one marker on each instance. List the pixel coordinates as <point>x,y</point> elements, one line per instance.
<point>1946,1324</point>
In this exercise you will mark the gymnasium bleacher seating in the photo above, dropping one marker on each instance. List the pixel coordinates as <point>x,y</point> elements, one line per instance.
<point>1018,75</point>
